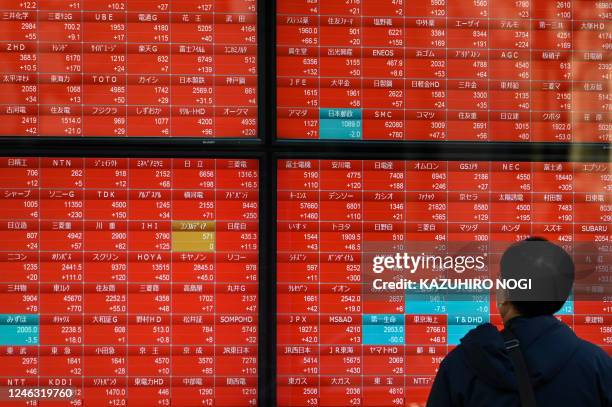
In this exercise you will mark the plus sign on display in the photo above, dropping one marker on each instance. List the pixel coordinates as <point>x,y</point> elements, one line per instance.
<point>137,68</point>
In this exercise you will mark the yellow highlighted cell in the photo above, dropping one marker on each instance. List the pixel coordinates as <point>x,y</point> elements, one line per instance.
<point>193,236</point>
<point>193,242</point>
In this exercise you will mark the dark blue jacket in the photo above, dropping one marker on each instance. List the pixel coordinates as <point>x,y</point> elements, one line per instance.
<point>565,370</point>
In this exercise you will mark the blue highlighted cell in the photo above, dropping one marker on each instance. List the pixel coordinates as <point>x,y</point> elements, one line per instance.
<point>340,124</point>
<point>19,329</point>
<point>383,329</point>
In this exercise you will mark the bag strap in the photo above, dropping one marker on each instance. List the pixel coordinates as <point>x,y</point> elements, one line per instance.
<point>520,368</point>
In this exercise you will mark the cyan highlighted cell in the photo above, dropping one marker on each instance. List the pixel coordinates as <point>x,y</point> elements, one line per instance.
<point>425,303</point>
<point>19,329</point>
<point>19,319</point>
<point>340,124</point>
<point>567,309</point>
<point>383,329</point>
<point>456,332</point>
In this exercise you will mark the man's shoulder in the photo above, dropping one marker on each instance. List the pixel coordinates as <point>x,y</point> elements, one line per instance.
<point>454,357</point>
<point>590,353</point>
<point>483,336</point>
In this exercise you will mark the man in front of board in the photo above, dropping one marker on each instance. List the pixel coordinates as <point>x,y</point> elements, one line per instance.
<point>559,368</point>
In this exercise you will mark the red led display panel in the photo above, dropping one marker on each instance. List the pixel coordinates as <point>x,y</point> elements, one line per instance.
<point>457,70</point>
<point>130,281</point>
<point>118,68</point>
<point>339,345</point>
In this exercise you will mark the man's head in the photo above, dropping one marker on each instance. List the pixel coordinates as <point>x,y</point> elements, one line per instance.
<point>551,271</point>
